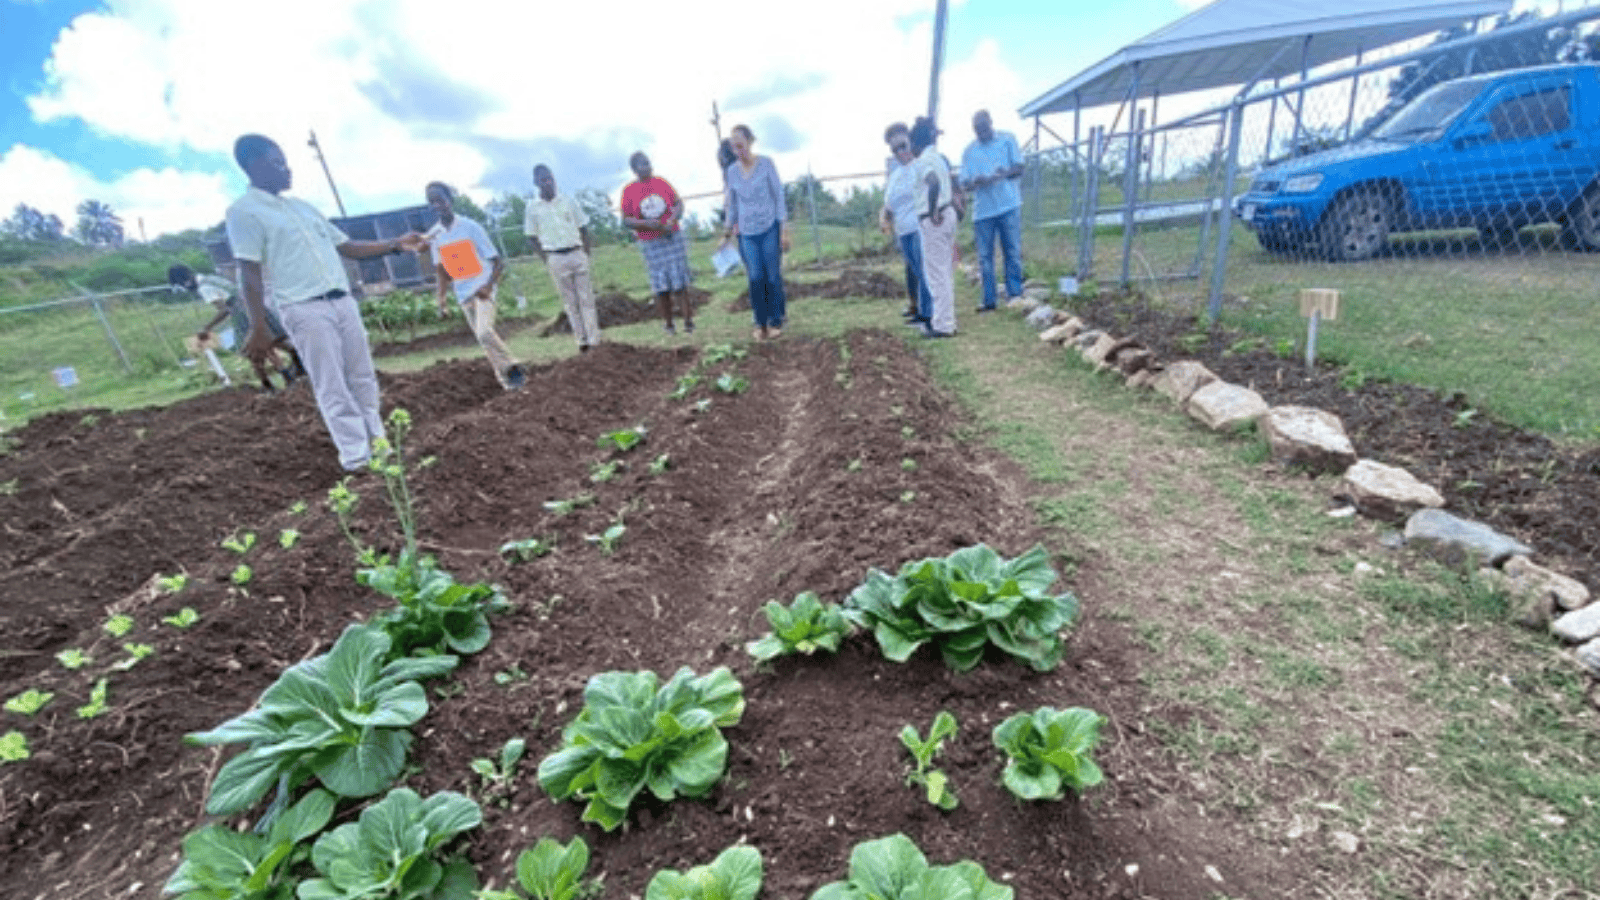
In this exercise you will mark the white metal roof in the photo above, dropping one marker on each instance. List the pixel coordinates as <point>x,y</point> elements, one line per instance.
<point>1234,42</point>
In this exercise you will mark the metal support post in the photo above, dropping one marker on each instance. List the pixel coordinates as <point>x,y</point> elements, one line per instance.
<point>1219,266</point>
<point>1091,202</point>
<point>811,200</point>
<point>1130,191</point>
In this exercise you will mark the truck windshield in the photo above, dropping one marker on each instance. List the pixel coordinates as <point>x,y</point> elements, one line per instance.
<point>1426,117</point>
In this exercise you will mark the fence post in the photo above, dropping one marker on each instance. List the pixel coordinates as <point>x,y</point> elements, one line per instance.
<point>811,200</point>
<point>1130,190</point>
<point>1219,266</point>
<point>1091,201</point>
<point>111,335</point>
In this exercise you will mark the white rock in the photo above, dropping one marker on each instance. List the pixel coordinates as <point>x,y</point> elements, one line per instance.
<point>1346,841</point>
<point>1578,626</point>
<point>1303,436</point>
<point>1386,492</point>
<point>1588,656</point>
<point>1181,379</point>
<point>1524,576</point>
<point>1222,406</point>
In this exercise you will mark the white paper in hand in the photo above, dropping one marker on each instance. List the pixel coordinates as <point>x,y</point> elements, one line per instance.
<point>726,259</point>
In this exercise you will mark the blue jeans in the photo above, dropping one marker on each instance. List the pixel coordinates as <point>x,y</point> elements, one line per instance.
<point>916,288</point>
<point>1008,226</point>
<point>763,262</point>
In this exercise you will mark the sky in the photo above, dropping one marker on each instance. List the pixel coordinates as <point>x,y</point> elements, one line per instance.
<point>136,103</point>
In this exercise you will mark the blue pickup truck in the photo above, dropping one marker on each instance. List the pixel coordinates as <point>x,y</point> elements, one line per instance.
<point>1493,152</point>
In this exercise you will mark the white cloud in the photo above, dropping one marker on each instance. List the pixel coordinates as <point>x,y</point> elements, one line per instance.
<point>401,92</point>
<point>167,199</point>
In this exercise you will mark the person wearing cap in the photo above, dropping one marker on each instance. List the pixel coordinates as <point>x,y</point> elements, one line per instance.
<point>991,170</point>
<point>558,229</point>
<point>460,247</point>
<point>283,244</point>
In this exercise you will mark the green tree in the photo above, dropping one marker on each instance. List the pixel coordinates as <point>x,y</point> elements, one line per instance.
<point>605,224</point>
<point>98,225</point>
<point>29,224</point>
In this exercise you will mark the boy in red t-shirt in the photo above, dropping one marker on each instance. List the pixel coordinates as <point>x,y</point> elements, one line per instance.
<point>652,209</point>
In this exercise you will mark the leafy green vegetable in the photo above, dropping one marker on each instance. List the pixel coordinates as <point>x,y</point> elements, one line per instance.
<point>660,464</point>
<point>608,539</point>
<point>222,864</point>
<point>288,537</point>
<point>892,868</point>
<point>435,614</point>
<point>548,871</point>
<point>118,625</point>
<point>241,576</point>
<point>565,507</point>
<point>734,875</point>
<point>341,716</point>
<point>13,747</point>
<point>630,736</point>
<point>390,851</point>
<point>1050,750</point>
<point>686,384</point>
<point>297,508</point>
<point>135,653</point>
<point>501,774</point>
<point>171,584</point>
<point>716,353</point>
<point>702,405</point>
<point>527,549</point>
<point>908,464</point>
<point>73,658</point>
<point>623,440</point>
<point>29,702</point>
<point>806,626</point>
<point>965,602</point>
<point>922,753</point>
<point>97,700</point>
<point>729,383</point>
<point>602,472</point>
<point>183,618</point>
<point>239,543</point>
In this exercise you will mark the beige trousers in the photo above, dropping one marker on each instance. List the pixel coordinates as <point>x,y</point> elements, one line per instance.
<point>480,318</point>
<point>570,272</point>
<point>938,263</point>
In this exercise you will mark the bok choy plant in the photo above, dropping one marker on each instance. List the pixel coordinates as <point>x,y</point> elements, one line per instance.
<point>734,875</point>
<point>922,754</point>
<point>548,871</point>
<point>391,850</point>
<point>631,736</point>
<point>1049,750</point>
<point>342,717</point>
<point>892,868</point>
<point>222,864</point>
<point>806,626</point>
<point>965,602</point>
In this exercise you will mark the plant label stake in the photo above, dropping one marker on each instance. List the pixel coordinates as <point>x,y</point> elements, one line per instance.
<point>1317,304</point>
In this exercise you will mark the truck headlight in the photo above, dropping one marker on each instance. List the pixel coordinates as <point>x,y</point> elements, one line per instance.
<point>1302,184</point>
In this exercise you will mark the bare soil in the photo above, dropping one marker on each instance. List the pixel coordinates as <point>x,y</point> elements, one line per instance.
<point>761,501</point>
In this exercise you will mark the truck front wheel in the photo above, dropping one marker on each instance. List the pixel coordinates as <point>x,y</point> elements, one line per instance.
<point>1357,226</point>
<point>1583,223</point>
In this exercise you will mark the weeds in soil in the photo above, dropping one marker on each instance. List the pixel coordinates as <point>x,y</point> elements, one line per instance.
<point>495,775</point>
<point>602,472</point>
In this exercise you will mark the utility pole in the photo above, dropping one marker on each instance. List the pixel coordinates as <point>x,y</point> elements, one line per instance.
<point>716,121</point>
<point>939,16</point>
<point>331,186</point>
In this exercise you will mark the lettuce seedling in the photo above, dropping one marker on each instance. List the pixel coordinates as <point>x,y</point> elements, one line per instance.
<point>241,575</point>
<point>631,736</point>
<point>500,775</point>
<point>341,716</point>
<point>390,851</point>
<point>97,700</point>
<point>808,625</point>
<point>548,871</point>
<point>135,652</point>
<point>922,754</point>
<point>183,618</point>
<point>118,625</point>
<point>734,875</point>
<point>729,383</point>
<point>892,868</point>
<point>1049,750</point>
<point>602,472</point>
<point>288,537</point>
<point>239,543</point>
<point>527,549</point>
<point>29,702</point>
<point>608,539</point>
<point>13,747</point>
<point>716,353</point>
<point>171,584</point>
<point>660,464</point>
<point>622,441</point>
<point>965,602</point>
<point>435,614</point>
<point>222,864</point>
<point>73,658</point>
<point>686,384</point>
<point>565,507</point>
<point>297,508</point>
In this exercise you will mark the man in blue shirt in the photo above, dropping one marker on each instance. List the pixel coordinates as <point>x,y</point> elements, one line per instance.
<point>991,170</point>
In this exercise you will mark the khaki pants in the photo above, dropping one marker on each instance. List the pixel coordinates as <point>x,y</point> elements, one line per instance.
<point>480,318</point>
<point>332,344</point>
<point>570,272</point>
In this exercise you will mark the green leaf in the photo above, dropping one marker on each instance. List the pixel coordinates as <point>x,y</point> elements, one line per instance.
<point>28,702</point>
<point>887,866</point>
<point>13,747</point>
<point>735,874</point>
<point>550,871</point>
<point>368,766</point>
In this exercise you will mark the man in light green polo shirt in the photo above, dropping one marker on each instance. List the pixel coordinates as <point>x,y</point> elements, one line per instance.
<point>284,243</point>
<point>558,228</point>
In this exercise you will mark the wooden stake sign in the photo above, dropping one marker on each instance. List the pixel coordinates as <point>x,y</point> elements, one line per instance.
<point>1317,304</point>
